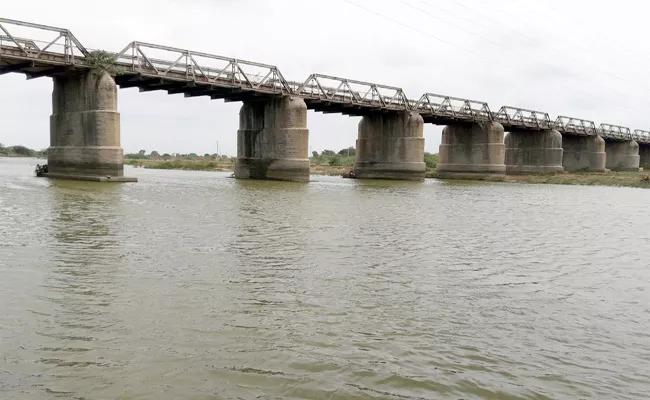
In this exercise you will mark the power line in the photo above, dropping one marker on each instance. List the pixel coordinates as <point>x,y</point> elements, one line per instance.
<point>634,84</point>
<point>430,35</point>
<point>612,49</point>
<point>469,51</point>
<point>541,60</point>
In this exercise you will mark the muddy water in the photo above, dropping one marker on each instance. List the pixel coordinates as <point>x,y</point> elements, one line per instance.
<point>192,285</point>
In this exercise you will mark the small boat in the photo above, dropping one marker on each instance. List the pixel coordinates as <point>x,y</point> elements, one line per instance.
<point>349,175</point>
<point>41,170</point>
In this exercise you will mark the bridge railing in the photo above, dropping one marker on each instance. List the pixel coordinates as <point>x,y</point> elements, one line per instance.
<point>575,125</point>
<point>614,132</point>
<point>42,39</point>
<point>641,136</point>
<point>349,91</point>
<point>523,118</point>
<point>169,62</point>
<point>453,107</point>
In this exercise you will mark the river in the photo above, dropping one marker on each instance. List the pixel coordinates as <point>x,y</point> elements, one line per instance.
<point>192,285</point>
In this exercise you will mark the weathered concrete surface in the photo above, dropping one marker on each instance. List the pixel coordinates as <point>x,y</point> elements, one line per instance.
<point>273,140</point>
<point>85,129</point>
<point>390,146</point>
<point>583,153</point>
<point>472,150</point>
<point>622,155</point>
<point>533,152</point>
<point>644,156</point>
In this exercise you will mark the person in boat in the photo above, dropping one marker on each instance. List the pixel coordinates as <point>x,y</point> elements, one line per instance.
<point>41,169</point>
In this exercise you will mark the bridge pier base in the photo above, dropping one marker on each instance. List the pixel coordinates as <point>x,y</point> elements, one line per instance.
<point>533,152</point>
<point>390,146</point>
<point>644,156</point>
<point>471,151</point>
<point>622,155</point>
<point>583,153</point>
<point>85,129</point>
<point>273,140</point>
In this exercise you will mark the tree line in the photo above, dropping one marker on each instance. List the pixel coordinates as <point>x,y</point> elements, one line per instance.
<point>342,158</point>
<point>20,151</point>
<point>345,157</point>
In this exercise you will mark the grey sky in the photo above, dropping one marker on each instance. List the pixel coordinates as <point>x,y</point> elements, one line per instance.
<point>568,57</point>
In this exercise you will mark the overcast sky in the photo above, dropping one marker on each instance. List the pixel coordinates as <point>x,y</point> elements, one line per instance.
<point>565,57</point>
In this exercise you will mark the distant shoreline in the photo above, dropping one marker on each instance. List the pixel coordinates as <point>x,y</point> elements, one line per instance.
<point>610,178</point>
<point>21,156</point>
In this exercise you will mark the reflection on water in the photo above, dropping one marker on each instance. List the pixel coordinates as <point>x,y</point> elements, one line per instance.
<point>193,285</point>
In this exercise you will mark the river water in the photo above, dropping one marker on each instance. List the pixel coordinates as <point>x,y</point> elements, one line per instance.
<point>191,285</point>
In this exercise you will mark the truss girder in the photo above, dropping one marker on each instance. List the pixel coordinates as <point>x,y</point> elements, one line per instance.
<point>614,132</point>
<point>575,126</point>
<point>354,92</point>
<point>641,136</point>
<point>453,108</point>
<point>51,41</point>
<point>164,61</point>
<point>523,118</point>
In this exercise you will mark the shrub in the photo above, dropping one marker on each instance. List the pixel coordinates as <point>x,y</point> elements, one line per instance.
<point>336,161</point>
<point>431,160</point>
<point>100,61</point>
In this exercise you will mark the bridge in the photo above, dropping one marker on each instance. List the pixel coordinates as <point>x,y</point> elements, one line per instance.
<point>273,134</point>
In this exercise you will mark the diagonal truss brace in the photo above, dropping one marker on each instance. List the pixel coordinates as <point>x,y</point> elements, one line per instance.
<point>523,118</point>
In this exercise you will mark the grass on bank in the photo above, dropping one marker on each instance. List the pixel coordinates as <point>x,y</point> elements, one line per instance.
<point>200,164</point>
<point>326,163</point>
<point>609,178</point>
<point>337,164</point>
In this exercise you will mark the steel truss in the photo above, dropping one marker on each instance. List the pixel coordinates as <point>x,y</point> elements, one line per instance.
<point>143,58</point>
<point>349,91</point>
<point>641,136</point>
<point>614,132</point>
<point>523,118</point>
<point>453,108</point>
<point>575,126</point>
<point>56,40</point>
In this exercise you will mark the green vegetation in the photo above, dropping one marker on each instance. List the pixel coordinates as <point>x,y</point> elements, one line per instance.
<point>431,161</point>
<point>100,61</point>
<point>191,161</point>
<point>344,158</point>
<point>332,163</point>
<point>611,178</point>
<point>21,151</point>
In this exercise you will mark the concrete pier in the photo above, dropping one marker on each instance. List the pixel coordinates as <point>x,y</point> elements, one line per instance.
<point>85,129</point>
<point>273,140</point>
<point>583,153</point>
<point>472,150</point>
<point>533,152</point>
<point>644,156</point>
<point>622,155</point>
<point>390,146</point>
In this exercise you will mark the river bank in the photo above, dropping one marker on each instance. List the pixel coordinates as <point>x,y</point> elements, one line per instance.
<point>610,178</point>
<point>227,165</point>
<point>184,164</point>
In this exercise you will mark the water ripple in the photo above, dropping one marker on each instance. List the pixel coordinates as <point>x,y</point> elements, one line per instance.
<point>193,285</point>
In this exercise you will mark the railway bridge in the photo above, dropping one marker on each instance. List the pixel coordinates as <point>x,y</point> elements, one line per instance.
<point>272,140</point>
